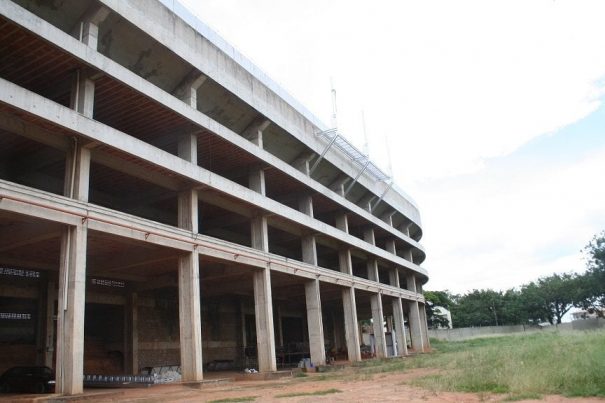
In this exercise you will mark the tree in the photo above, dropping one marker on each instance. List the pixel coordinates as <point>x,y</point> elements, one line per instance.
<point>437,299</point>
<point>478,308</point>
<point>592,283</point>
<point>558,293</point>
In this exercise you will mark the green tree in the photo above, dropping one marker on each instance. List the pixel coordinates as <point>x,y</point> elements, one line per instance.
<point>478,308</point>
<point>434,299</point>
<point>558,293</point>
<point>592,283</point>
<point>535,309</point>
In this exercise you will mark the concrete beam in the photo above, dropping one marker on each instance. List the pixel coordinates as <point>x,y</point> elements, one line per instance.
<point>35,203</point>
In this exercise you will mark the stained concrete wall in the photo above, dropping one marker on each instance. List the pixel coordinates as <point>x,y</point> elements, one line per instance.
<point>588,324</point>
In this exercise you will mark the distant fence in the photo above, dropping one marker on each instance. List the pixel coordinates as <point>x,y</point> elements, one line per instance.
<point>465,333</point>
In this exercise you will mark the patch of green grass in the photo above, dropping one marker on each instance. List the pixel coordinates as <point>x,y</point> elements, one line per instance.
<point>300,375</point>
<point>316,393</point>
<point>235,399</point>
<point>569,363</point>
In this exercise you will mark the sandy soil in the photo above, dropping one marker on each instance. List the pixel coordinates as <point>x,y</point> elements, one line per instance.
<point>354,388</point>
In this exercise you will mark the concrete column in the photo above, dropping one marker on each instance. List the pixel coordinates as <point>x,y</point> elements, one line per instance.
<point>424,327</point>
<point>315,323</point>
<point>344,261</point>
<point>399,325</point>
<point>368,236</point>
<point>256,181</point>
<point>69,367</point>
<point>342,222</point>
<point>131,334</point>
<point>49,342</point>
<point>77,172</point>
<point>351,327</point>
<point>305,205</point>
<point>190,322</point>
<point>309,246</point>
<point>87,30</point>
<point>254,132</point>
<point>263,309</point>
<point>391,246</point>
<point>372,265</point>
<point>414,318</point>
<point>187,148</point>
<point>378,325</point>
<point>187,90</point>
<point>188,210</point>
<point>309,249</point>
<point>82,93</point>
<point>189,317</point>
<point>394,277</point>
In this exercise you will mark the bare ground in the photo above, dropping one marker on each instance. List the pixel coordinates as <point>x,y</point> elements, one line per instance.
<point>351,386</point>
<point>348,385</point>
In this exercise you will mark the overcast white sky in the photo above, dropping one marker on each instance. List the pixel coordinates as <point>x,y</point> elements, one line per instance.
<point>492,110</point>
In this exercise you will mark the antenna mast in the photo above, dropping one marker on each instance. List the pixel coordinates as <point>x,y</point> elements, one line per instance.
<point>334,122</point>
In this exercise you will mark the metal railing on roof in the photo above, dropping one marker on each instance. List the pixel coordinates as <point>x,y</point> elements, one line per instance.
<point>350,151</point>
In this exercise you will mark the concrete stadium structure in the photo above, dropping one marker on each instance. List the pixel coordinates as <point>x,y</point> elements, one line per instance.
<point>164,202</point>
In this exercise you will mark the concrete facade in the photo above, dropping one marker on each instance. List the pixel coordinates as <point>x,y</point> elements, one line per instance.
<point>163,202</point>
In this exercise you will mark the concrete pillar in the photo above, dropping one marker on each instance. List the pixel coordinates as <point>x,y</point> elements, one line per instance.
<point>424,327</point>
<point>190,322</point>
<point>342,222</point>
<point>344,261</point>
<point>263,300</point>
<point>254,132</point>
<point>309,246</point>
<point>368,236</point>
<point>69,366</point>
<point>187,148</point>
<point>188,210</point>
<point>372,266</point>
<point>189,317</point>
<point>263,309</point>
<point>378,325</point>
<point>394,277</point>
<point>82,93</point>
<point>351,327</point>
<point>399,326</point>
<point>49,341</point>
<point>391,247</point>
<point>187,90</point>
<point>305,205</point>
<point>309,249</point>
<point>414,318</point>
<point>256,181</point>
<point>131,334</point>
<point>77,172</point>
<point>315,323</point>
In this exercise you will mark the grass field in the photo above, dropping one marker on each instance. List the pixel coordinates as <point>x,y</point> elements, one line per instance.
<point>521,366</point>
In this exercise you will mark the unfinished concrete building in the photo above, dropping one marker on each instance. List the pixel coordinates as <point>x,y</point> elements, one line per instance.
<point>163,202</point>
